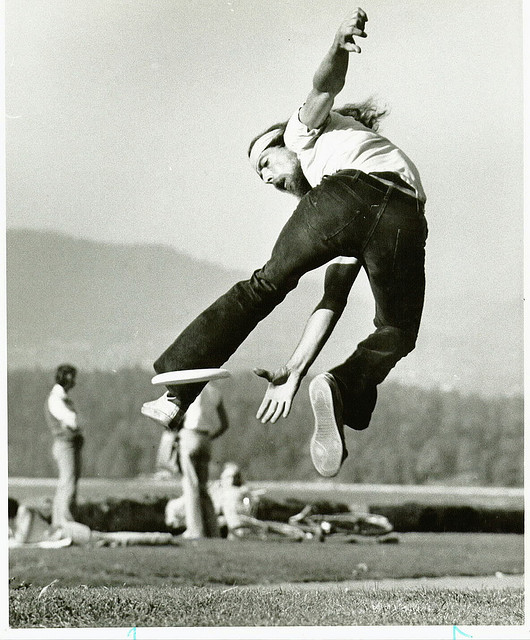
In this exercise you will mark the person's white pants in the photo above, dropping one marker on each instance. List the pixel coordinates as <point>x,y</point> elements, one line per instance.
<point>67,454</point>
<point>195,454</point>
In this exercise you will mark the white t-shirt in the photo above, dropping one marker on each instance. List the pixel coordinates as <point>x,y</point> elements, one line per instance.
<point>61,407</point>
<point>344,143</point>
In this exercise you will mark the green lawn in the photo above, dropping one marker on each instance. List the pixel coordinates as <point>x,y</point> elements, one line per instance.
<point>212,562</point>
<point>207,607</point>
<point>221,583</point>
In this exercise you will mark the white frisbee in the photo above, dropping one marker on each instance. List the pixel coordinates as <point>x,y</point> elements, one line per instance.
<point>189,375</point>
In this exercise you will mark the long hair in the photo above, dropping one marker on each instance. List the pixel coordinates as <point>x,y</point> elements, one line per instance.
<point>366,112</point>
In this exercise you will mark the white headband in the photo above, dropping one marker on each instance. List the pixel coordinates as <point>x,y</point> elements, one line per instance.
<point>260,145</point>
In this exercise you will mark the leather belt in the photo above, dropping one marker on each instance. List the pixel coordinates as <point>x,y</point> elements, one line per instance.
<point>390,178</point>
<point>382,181</point>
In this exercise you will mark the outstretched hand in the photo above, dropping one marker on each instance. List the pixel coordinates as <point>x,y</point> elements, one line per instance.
<point>351,27</point>
<point>283,385</point>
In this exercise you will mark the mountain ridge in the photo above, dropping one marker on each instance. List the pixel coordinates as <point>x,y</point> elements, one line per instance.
<point>104,306</point>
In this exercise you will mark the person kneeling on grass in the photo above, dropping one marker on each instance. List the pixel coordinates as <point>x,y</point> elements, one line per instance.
<point>361,204</point>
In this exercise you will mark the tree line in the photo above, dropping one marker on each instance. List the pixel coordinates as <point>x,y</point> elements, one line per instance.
<point>417,436</point>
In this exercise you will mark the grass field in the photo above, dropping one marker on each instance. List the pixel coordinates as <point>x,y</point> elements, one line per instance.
<point>218,583</point>
<point>214,607</point>
<point>222,583</point>
<point>248,562</point>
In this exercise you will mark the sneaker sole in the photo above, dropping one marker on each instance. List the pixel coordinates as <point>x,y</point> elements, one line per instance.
<point>326,447</point>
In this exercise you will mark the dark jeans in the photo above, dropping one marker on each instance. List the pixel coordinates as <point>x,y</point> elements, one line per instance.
<point>347,214</point>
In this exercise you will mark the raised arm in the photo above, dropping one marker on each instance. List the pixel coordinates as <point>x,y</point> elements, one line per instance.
<point>285,382</point>
<point>330,76</point>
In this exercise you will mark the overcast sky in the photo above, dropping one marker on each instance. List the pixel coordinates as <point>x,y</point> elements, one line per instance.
<point>129,121</point>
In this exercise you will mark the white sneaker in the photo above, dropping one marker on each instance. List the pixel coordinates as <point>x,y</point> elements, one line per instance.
<point>327,443</point>
<point>163,411</point>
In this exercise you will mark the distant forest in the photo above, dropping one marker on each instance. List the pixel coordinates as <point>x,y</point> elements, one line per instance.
<point>417,436</point>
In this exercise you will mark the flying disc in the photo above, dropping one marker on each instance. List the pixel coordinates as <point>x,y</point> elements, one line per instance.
<point>189,375</point>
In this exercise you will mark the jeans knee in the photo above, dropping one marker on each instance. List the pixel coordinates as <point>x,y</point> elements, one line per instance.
<point>406,342</point>
<point>399,341</point>
<point>261,289</point>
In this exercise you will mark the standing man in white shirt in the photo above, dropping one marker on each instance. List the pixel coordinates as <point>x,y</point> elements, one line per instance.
<point>67,443</point>
<point>205,420</point>
<point>361,205</point>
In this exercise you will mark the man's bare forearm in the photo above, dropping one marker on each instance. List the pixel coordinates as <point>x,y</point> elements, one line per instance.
<point>316,333</point>
<point>338,282</point>
<point>331,74</point>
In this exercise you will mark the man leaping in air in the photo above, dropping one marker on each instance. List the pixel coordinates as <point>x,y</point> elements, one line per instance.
<point>361,204</point>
